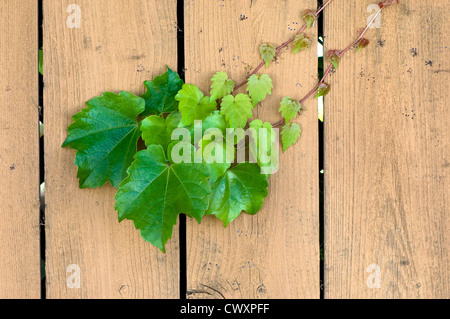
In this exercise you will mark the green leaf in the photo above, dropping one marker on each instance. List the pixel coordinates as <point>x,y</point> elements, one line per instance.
<point>242,188</point>
<point>156,192</point>
<point>289,108</point>
<point>221,86</point>
<point>41,61</point>
<point>268,52</point>
<point>263,146</point>
<point>217,153</point>
<point>237,110</point>
<point>362,43</point>
<point>193,104</point>
<point>334,57</point>
<point>310,17</point>
<point>301,43</point>
<point>157,130</point>
<point>213,121</point>
<point>290,134</point>
<point>323,90</point>
<point>160,94</point>
<point>105,135</point>
<point>259,87</point>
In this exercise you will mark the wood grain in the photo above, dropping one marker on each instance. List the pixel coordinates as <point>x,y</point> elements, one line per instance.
<point>387,154</point>
<point>120,44</point>
<point>19,151</point>
<point>274,254</point>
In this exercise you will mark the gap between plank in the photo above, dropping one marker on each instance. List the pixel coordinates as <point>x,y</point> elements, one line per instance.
<point>41,158</point>
<point>182,217</point>
<point>321,166</point>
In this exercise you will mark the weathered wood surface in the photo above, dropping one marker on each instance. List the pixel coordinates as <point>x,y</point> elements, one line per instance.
<point>119,44</point>
<point>274,254</point>
<point>19,150</point>
<point>387,154</point>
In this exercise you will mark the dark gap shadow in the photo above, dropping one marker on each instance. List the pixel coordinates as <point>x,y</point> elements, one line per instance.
<point>182,218</point>
<point>41,157</point>
<point>321,166</point>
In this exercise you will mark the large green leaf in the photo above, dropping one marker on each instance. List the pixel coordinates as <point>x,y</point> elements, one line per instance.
<point>156,192</point>
<point>160,94</point>
<point>217,152</point>
<point>213,121</point>
<point>242,188</point>
<point>158,130</point>
<point>105,135</point>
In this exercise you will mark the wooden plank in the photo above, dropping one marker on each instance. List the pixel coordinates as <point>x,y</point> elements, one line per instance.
<point>387,154</point>
<point>19,150</point>
<point>274,254</point>
<point>119,44</point>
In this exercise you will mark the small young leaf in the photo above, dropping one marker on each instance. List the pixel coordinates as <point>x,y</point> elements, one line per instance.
<point>155,193</point>
<point>268,52</point>
<point>362,44</point>
<point>259,87</point>
<point>221,85</point>
<point>157,130</point>
<point>242,188</point>
<point>193,104</point>
<point>237,110</point>
<point>310,17</point>
<point>289,108</point>
<point>160,94</point>
<point>301,43</point>
<point>333,56</point>
<point>323,90</point>
<point>290,134</point>
<point>105,135</point>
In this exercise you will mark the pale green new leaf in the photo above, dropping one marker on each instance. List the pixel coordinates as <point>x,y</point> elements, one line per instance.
<point>259,87</point>
<point>289,108</point>
<point>193,104</point>
<point>105,135</point>
<point>237,110</point>
<point>268,52</point>
<point>156,192</point>
<point>301,43</point>
<point>221,85</point>
<point>242,188</point>
<point>290,134</point>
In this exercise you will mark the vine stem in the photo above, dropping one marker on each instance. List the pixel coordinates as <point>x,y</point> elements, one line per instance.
<point>341,53</point>
<point>279,48</point>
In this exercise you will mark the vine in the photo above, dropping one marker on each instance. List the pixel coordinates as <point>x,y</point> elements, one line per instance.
<point>203,155</point>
